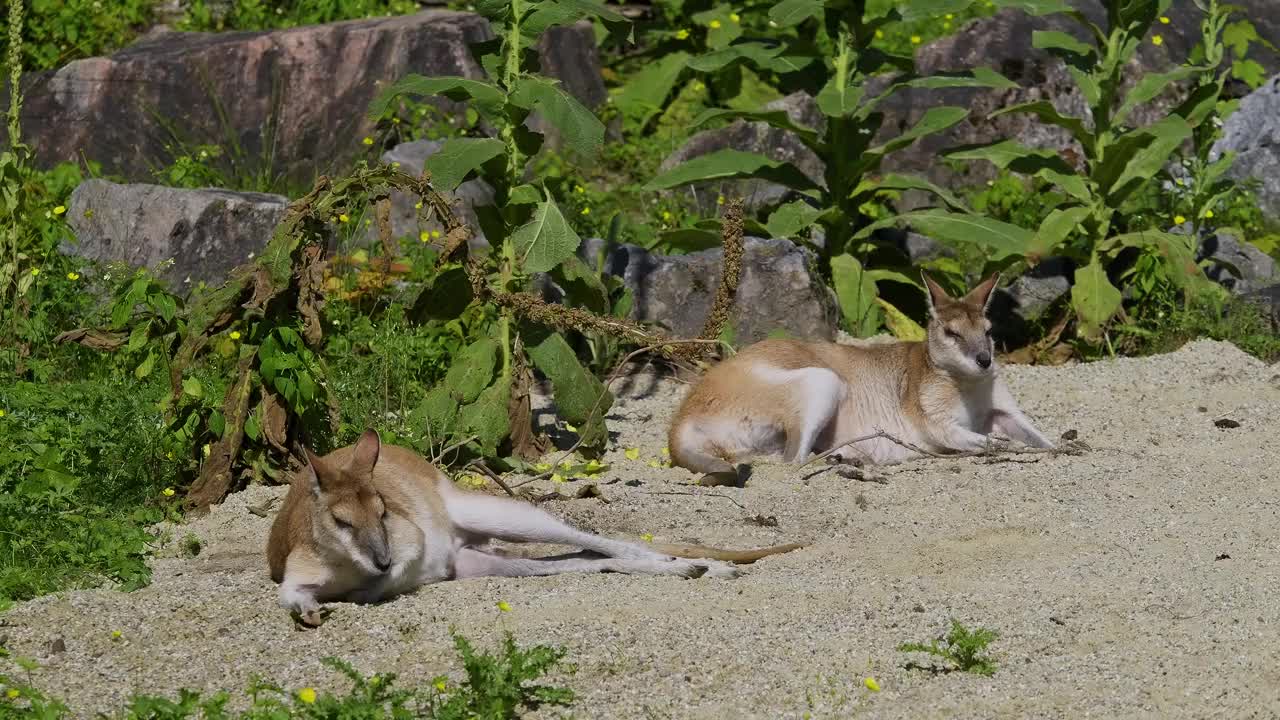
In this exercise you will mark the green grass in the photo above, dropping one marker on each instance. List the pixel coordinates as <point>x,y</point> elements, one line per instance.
<point>497,686</point>
<point>961,649</point>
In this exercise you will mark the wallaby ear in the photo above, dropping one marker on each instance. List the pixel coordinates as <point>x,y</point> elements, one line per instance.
<point>982,294</point>
<point>365,454</point>
<point>307,474</point>
<point>937,296</point>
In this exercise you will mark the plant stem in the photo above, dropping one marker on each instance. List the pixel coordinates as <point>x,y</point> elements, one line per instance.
<point>510,76</point>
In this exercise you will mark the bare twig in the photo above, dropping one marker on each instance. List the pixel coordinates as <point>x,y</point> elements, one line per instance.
<point>484,470</point>
<point>1073,447</point>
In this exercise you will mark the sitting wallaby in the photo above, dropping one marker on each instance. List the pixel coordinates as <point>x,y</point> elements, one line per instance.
<point>368,522</point>
<point>942,394</point>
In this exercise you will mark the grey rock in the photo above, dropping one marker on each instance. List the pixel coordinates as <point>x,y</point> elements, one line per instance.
<point>1268,300</point>
<point>779,145</point>
<point>1253,133</point>
<point>296,97</point>
<point>1239,266</point>
<point>205,233</point>
<point>1015,309</point>
<point>778,289</point>
<point>471,194</point>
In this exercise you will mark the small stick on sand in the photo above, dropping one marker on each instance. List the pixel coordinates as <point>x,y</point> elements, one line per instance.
<point>672,492</point>
<point>1073,447</point>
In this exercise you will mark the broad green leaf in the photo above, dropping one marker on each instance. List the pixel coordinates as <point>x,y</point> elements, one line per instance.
<point>731,164</point>
<point>579,128</point>
<point>1200,104</point>
<point>721,28</point>
<point>1151,85</point>
<point>838,101</point>
<point>999,239</point>
<point>582,287</point>
<point>436,414</point>
<point>1088,85</point>
<point>791,218</point>
<point>1034,162</point>
<point>776,118</point>
<point>1094,298</point>
<point>581,399</point>
<point>1249,72</point>
<point>934,120</point>
<point>760,54</point>
<point>906,182</point>
<point>856,293</point>
<point>524,195</point>
<point>1056,39</point>
<point>1148,158</point>
<point>445,298</point>
<point>644,95</point>
<point>690,239</point>
<point>1177,251</point>
<point>879,275</point>
<point>192,387</point>
<point>1045,110</point>
<point>793,12</point>
<point>902,327</point>
<point>138,336</point>
<point>488,418</point>
<point>980,77</point>
<point>546,240</point>
<point>1053,232</point>
<point>472,370</point>
<point>458,157</point>
<point>144,368</point>
<point>487,98</point>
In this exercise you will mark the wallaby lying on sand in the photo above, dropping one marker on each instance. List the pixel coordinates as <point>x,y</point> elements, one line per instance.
<point>368,522</point>
<point>942,394</point>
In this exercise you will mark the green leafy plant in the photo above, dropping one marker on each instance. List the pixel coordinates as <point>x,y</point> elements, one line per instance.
<point>215,16</point>
<point>58,31</point>
<point>1095,199</point>
<point>843,205</point>
<point>962,649</point>
<point>482,401</point>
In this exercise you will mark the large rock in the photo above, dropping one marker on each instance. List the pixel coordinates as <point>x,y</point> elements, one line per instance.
<point>778,290</point>
<point>471,194</point>
<point>1268,300</point>
<point>757,137</point>
<point>297,96</point>
<point>206,233</point>
<point>1253,133</point>
<point>1018,309</point>
<point>1239,266</point>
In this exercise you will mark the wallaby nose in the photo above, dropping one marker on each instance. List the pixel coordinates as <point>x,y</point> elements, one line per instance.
<point>984,359</point>
<point>383,563</point>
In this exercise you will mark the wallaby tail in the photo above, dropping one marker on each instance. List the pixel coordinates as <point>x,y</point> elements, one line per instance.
<point>742,557</point>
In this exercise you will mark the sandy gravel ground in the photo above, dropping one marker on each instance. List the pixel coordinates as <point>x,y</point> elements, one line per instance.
<point>1138,580</point>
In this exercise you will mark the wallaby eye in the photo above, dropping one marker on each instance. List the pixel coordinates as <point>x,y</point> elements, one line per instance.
<point>341,523</point>
<point>952,334</point>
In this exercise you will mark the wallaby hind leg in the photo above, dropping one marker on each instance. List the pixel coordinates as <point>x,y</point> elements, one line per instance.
<point>689,450</point>
<point>817,394</point>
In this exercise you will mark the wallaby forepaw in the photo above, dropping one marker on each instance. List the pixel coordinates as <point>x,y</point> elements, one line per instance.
<point>717,569</point>
<point>309,619</point>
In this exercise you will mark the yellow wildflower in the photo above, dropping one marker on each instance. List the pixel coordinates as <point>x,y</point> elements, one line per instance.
<point>646,537</point>
<point>435,234</point>
<point>307,695</point>
<point>1178,220</point>
<point>879,34</point>
<point>503,606</point>
<point>344,218</point>
<point>1157,40</point>
<point>35,271</point>
<point>915,39</point>
<point>579,189</point>
<point>1,413</point>
<point>1164,20</point>
<point>632,453</point>
<point>714,24</point>
<point>60,209</point>
<point>116,634</point>
<point>235,335</point>
<point>418,205</point>
<point>73,276</point>
<point>666,216</point>
<point>571,427</point>
<point>949,16</point>
<point>871,684</point>
<point>424,236</point>
<point>367,140</point>
<point>735,17</point>
<point>12,693</point>
<point>586,211</point>
<point>1208,214</point>
<point>719,199</point>
<point>1180,182</point>
<point>168,492</point>
<point>682,34</point>
<point>440,684</point>
<point>395,164</point>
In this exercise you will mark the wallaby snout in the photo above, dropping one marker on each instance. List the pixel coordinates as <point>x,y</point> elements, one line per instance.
<point>983,359</point>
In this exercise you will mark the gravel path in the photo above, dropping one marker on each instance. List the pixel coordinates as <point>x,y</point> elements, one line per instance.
<point>1136,580</point>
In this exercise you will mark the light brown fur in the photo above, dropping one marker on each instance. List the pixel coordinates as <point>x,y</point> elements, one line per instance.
<point>368,522</point>
<point>794,398</point>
